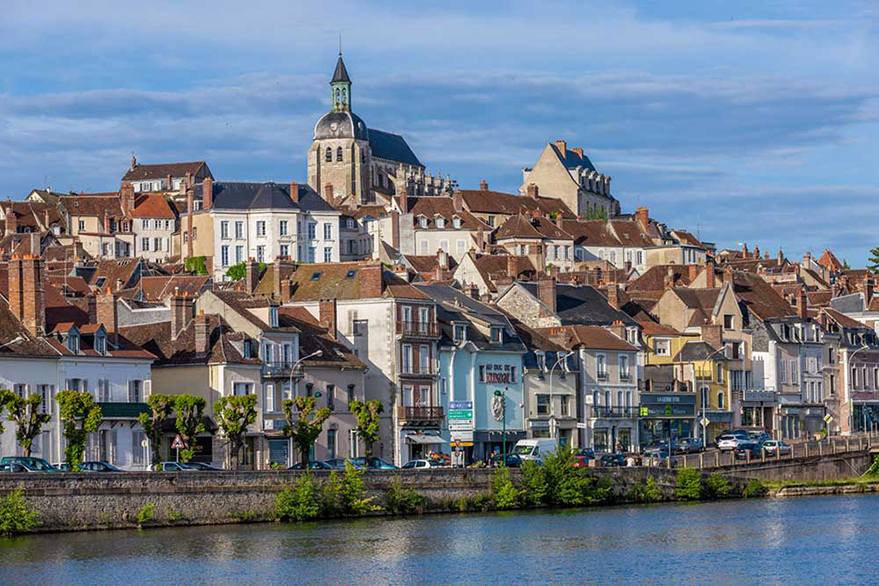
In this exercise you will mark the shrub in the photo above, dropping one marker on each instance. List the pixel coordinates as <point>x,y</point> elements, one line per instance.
<point>534,486</point>
<point>649,492</point>
<point>329,502</point>
<point>351,496</point>
<point>15,515</point>
<point>716,487</point>
<point>753,489</point>
<point>874,468</point>
<point>503,493</point>
<point>689,485</point>
<point>300,502</point>
<point>145,515</point>
<point>402,501</point>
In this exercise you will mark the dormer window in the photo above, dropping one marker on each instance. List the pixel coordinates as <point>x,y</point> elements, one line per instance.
<point>460,332</point>
<point>456,223</point>
<point>100,344</point>
<point>440,223</point>
<point>497,334</point>
<point>73,342</point>
<point>422,221</point>
<point>273,317</point>
<point>248,349</point>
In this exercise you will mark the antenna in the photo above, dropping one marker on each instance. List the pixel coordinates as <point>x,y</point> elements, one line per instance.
<point>340,43</point>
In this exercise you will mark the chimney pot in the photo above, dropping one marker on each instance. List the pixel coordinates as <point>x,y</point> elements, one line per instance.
<point>562,146</point>
<point>483,185</point>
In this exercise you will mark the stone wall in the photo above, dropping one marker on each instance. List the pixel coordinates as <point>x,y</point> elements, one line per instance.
<point>803,469</point>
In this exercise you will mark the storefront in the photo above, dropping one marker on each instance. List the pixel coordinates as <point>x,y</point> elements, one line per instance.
<point>865,417</point>
<point>756,410</point>
<point>799,421</point>
<point>666,415</point>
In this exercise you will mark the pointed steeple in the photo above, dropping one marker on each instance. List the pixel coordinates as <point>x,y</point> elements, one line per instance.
<point>341,74</point>
<point>340,88</point>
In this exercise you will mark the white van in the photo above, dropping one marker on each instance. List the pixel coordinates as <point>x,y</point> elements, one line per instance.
<point>536,449</point>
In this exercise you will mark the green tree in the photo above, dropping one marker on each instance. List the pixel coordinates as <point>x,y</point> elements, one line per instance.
<point>689,485</point>
<point>234,415</point>
<point>873,261</point>
<point>15,515</point>
<point>190,422</point>
<point>26,415</point>
<point>367,415</point>
<point>195,265</point>
<point>161,408</point>
<point>845,265</point>
<point>79,417</point>
<point>239,271</point>
<point>305,425</point>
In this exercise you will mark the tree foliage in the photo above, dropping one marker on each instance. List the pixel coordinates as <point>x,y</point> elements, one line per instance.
<point>190,422</point>
<point>367,415</point>
<point>161,408</point>
<point>234,415</point>
<point>196,265</point>
<point>689,484</point>
<point>15,515</point>
<point>304,425</point>
<point>26,415</point>
<point>238,271</point>
<point>596,214</point>
<point>873,261</point>
<point>79,417</point>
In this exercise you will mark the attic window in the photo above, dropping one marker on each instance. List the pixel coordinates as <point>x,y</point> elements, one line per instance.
<point>248,349</point>
<point>100,344</point>
<point>273,317</point>
<point>496,334</point>
<point>423,222</point>
<point>351,273</point>
<point>460,332</point>
<point>73,342</point>
<point>456,222</point>
<point>440,222</point>
<point>100,282</point>
<point>316,275</point>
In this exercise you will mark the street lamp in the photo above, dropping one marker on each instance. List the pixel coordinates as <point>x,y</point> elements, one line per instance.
<point>503,398</point>
<point>314,354</point>
<point>552,426</point>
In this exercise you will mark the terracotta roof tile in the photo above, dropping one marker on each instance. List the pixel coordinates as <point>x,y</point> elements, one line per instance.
<point>161,171</point>
<point>479,201</point>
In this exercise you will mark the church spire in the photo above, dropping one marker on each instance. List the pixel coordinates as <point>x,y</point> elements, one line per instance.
<point>340,88</point>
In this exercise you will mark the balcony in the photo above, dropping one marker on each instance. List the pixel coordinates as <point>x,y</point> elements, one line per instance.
<point>599,412</point>
<point>278,369</point>
<point>419,414</point>
<point>417,329</point>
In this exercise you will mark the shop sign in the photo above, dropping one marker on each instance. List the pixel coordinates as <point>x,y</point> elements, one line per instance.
<point>499,374</point>
<point>667,411</point>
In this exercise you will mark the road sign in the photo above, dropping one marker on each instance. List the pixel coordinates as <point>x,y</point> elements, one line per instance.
<point>581,425</point>
<point>460,405</point>
<point>461,414</point>
<point>704,421</point>
<point>460,425</point>
<point>144,443</point>
<point>828,418</point>
<point>177,444</point>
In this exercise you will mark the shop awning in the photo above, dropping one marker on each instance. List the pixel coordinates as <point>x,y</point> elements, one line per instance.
<point>415,438</point>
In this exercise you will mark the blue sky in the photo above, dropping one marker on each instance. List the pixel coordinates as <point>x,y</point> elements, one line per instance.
<point>739,121</point>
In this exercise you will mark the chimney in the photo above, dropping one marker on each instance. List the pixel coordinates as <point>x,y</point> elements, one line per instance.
<point>107,311</point>
<point>182,312</point>
<point>745,250</point>
<point>276,278</point>
<point>458,201</point>
<point>473,291</point>
<point>483,185</point>
<point>578,150</point>
<point>126,197</point>
<point>11,221</point>
<point>207,193</point>
<point>669,280</point>
<point>780,257</point>
<point>168,182</point>
<point>802,304</point>
<point>106,222</point>
<point>202,333</point>
<point>251,279</point>
<point>512,267</point>
<point>533,190</point>
<point>294,192</point>
<point>561,146</point>
<point>370,281</point>
<point>618,329</point>
<point>546,292</point>
<point>807,260</point>
<point>133,163</point>
<point>286,290</point>
<point>713,335</point>
<point>480,237</point>
<point>328,194</point>
<point>642,215</point>
<point>32,291</point>
<point>93,309</point>
<point>188,183</point>
<point>442,266</point>
<point>613,295</point>
<point>403,200</point>
<point>694,272</point>
<point>728,275</point>
<point>395,229</point>
<point>756,252</point>
<point>327,310</point>
<point>16,299</point>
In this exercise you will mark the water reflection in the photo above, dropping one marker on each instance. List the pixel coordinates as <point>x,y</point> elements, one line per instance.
<point>832,540</point>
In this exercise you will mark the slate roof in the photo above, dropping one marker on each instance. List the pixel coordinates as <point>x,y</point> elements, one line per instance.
<point>572,160</point>
<point>343,281</point>
<point>496,202</point>
<point>582,305</point>
<point>340,74</point>
<point>258,196</point>
<point>843,320</point>
<point>161,171</point>
<point>161,287</point>
<point>393,147</point>
<point>848,303</point>
<point>698,351</point>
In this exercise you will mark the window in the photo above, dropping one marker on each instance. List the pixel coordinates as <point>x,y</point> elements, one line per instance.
<point>241,389</point>
<point>328,231</point>
<point>444,245</point>
<point>543,404</point>
<point>282,227</point>
<point>662,347</point>
<point>491,221</point>
<point>565,405</point>
<point>331,444</point>
<point>793,372</point>
<point>440,222</point>
<point>273,317</point>
<point>854,377</point>
<point>624,367</point>
<point>260,228</point>
<point>704,397</point>
<point>424,362</point>
<point>239,230</point>
<point>460,332</point>
<point>285,250</point>
<point>497,334</point>
<point>456,223</point>
<point>720,400</point>
<point>719,372</point>
<point>312,230</point>
<point>328,156</point>
<point>339,157</point>
<point>100,344</point>
<point>224,255</point>
<point>48,394</point>
<point>406,358</point>
<point>360,327</point>
<point>145,244</point>
<point>351,396</point>
<point>135,394</point>
<point>157,244</point>
<point>73,342</point>
<point>601,366</point>
<point>328,254</point>
<point>312,253</point>
<point>728,322</point>
<point>461,246</point>
<point>224,230</point>
<point>239,254</point>
<point>260,253</point>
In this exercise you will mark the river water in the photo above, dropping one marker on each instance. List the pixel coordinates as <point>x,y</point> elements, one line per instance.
<point>819,540</point>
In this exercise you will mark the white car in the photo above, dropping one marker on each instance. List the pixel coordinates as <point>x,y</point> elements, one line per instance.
<point>728,442</point>
<point>420,464</point>
<point>776,446</point>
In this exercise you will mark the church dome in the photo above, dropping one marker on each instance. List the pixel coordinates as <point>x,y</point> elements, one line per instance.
<point>340,125</point>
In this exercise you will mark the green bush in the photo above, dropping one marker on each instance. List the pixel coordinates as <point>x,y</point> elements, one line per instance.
<point>689,485</point>
<point>300,502</point>
<point>716,487</point>
<point>15,515</point>
<point>754,489</point>
<point>649,492</point>
<point>874,469</point>
<point>403,501</point>
<point>534,486</point>
<point>503,493</point>
<point>146,514</point>
<point>351,499</point>
<point>567,486</point>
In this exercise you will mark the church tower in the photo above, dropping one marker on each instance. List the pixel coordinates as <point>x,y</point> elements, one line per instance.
<point>340,159</point>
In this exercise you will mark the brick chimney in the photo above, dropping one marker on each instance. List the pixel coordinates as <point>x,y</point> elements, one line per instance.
<point>370,281</point>
<point>11,221</point>
<point>458,201</point>
<point>403,200</point>
<point>33,294</point>
<point>618,329</point>
<point>328,194</point>
<point>807,260</point>
<point>613,295</point>
<point>202,333</point>
<point>642,215</point>
<point>802,305</point>
<point>483,185</point>
<point>188,181</point>
<point>207,193</point>
<point>472,290</point>
<point>168,182</point>
<point>578,150</point>
<point>395,229</point>
<point>327,312</point>
<point>107,311</point>
<point>756,252</point>
<point>126,198</point>
<point>728,275</point>
<point>251,278</point>
<point>546,292</point>
<point>561,146</point>
<point>93,309</point>
<point>294,192</point>
<point>713,335</point>
<point>745,250</point>
<point>693,272</point>
<point>182,312</point>
<point>286,290</point>
<point>533,190</point>
<point>276,278</point>
<point>780,256</point>
<point>442,272</point>
<point>512,267</point>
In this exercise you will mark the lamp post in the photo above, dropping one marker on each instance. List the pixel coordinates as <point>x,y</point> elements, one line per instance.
<point>503,397</point>
<point>314,354</point>
<point>552,425</point>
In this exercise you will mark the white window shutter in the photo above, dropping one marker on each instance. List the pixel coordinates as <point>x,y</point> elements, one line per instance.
<point>147,389</point>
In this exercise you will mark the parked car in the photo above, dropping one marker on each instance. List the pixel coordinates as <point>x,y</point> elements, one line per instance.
<point>535,449</point>
<point>773,447</point>
<point>688,445</point>
<point>583,456</point>
<point>759,436</point>
<point>32,464</point>
<point>420,464</point>
<point>513,461</point>
<point>658,457</point>
<point>315,465</point>
<point>744,447</point>
<point>339,463</point>
<point>14,467</point>
<point>374,464</point>
<point>729,441</point>
<point>613,460</point>
<point>63,467</point>
<point>175,467</point>
<point>202,466</point>
<point>98,467</point>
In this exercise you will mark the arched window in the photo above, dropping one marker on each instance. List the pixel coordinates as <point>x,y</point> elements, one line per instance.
<point>363,156</point>
<point>344,96</point>
<point>337,95</point>
<point>328,157</point>
<point>720,400</point>
<point>339,154</point>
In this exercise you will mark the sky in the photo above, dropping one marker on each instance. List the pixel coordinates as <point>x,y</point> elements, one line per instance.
<point>746,122</point>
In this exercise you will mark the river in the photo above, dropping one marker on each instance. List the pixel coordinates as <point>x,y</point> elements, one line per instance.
<point>819,540</point>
